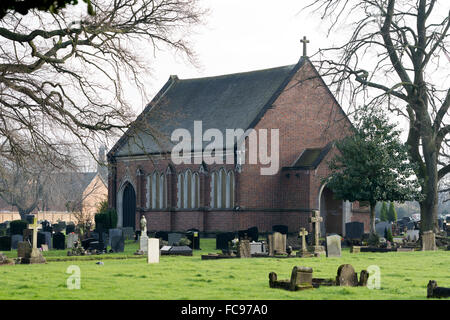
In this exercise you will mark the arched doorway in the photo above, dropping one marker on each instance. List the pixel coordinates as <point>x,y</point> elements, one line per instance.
<point>129,206</point>
<point>331,210</point>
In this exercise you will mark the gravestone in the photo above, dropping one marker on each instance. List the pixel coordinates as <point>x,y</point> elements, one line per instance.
<point>71,239</point>
<point>334,246</point>
<point>244,249</point>
<point>256,248</point>
<point>277,243</point>
<point>5,243</point>
<point>40,239</point>
<point>70,228</point>
<point>28,235</point>
<point>194,236</point>
<point>23,249</point>
<point>280,228</point>
<point>346,276</point>
<point>153,250</point>
<point>15,239</point>
<point>354,230</point>
<point>62,225</point>
<point>164,235</point>
<point>48,239</point>
<point>428,241</point>
<point>128,233</point>
<point>223,239</point>
<point>316,219</point>
<point>46,226</point>
<point>381,226</point>
<point>165,249</point>
<point>412,235</point>
<point>304,251</point>
<point>174,238</point>
<point>117,240</point>
<point>143,243</point>
<point>59,241</point>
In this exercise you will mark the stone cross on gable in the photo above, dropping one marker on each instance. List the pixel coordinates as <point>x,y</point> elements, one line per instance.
<point>316,220</point>
<point>303,233</point>
<point>33,226</point>
<point>304,41</point>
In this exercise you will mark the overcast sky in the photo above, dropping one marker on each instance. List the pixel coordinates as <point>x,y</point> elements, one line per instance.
<point>241,36</point>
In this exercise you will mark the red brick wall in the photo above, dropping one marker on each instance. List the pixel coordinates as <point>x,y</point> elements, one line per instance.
<point>307,116</point>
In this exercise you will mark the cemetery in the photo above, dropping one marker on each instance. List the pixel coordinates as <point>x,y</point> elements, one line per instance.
<point>187,265</point>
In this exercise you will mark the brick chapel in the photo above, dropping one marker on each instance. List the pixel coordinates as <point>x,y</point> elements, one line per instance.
<point>218,197</point>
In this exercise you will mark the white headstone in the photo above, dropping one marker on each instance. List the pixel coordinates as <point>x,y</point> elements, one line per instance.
<point>153,251</point>
<point>143,243</point>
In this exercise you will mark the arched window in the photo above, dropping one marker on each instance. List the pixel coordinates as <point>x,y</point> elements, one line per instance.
<point>156,191</point>
<point>180,187</point>
<point>222,189</point>
<point>162,191</point>
<point>188,189</point>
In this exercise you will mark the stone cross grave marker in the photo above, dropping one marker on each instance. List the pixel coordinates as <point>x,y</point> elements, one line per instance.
<point>316,220</point>
<point>303,233</point>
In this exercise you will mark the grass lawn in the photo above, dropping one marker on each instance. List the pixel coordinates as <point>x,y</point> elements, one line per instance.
<point>404,275</point>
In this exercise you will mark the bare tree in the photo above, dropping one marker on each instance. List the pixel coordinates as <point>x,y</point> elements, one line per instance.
<point>397,56</point>
<point>23,182</point>
<point>62,74</point>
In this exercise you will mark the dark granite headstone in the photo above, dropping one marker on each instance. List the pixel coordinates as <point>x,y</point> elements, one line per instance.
<point>117,240</point>
<point>354,230</point>
<point>59,241</point>
<point>41,239</point>
<point>15,239</point>
<point>194,236</point>
<point>162,235</point>
<point>70,228</point>
<point>5,243</point>
<point>280,228</point>
<point>222,240</point>
<point>46,226</point>
<point>97,245</point>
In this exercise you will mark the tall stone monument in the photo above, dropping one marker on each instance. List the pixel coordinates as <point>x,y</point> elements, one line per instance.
<point>34,255</point>
<point>316,219</point>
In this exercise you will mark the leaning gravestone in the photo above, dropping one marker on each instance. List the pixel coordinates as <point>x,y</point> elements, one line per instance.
<point>5,243</point>
<point>346,276</point>
<point>59,241</point>
<point>334,246</point>
<point>174,238</point>
<point>153,250</point>
<point>15,239</point>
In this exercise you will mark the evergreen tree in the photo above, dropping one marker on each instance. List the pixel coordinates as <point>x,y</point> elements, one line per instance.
<point>372,165</point>
<point>384,212</point>
<point>392,213</point>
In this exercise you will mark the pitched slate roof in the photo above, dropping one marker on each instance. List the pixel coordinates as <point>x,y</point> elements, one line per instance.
<point>222,102</point>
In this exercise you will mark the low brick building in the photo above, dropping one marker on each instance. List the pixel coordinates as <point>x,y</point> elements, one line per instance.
<point>214,197</point>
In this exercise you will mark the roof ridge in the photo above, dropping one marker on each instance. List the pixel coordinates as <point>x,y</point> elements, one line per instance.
<point>237,73</point>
